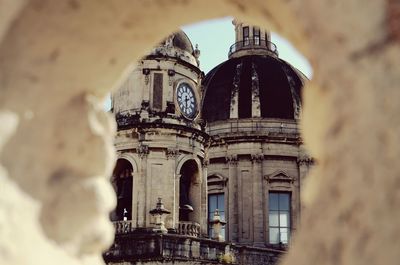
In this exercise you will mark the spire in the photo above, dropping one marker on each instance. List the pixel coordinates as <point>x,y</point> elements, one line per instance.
<point>251,39</point>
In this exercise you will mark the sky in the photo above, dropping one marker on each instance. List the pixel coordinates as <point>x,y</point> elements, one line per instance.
<point>214,38</point>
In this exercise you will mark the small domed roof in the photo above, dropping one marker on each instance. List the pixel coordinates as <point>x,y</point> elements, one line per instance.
<point>176,45</point>
<point>182,41</point>
<point>279,88</point>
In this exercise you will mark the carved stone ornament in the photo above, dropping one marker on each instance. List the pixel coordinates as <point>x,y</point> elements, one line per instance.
<point>231,159</point>
<point>279,176</point>
<point>305,161</point>
<point>206,162</point>
<point>142,150</point>
<point>257,158</point>
<point>171,153</point>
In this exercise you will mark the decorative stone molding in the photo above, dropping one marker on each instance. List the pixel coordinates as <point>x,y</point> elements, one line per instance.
<point>257,158</point>
<point>142,150</point>
<point>206,162</point>
<point>216,182</point>
<point>123,151</point>
<point>231,159</point>
<point>279,176</point>
<point>171,153</point>
<point>305,161</point>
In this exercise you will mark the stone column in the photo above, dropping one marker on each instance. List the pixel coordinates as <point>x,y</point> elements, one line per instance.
<point>258,197</point>
<point>303,164</point>
<point>173,200</point>
<point>142,151</point>
<point>204,197</point>
<point>232,198</point>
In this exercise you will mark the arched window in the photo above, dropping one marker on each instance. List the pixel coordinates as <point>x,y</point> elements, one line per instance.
<point>187,194</point>
<point>122,183</point>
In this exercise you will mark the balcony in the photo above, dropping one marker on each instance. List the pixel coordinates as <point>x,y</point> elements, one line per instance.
<point>255,44</point>
<point>145,246</point>
<point>184,228</point>
<point>123,227</point>
<point>189,228</point>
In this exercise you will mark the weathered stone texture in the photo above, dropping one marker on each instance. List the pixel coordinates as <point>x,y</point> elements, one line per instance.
<point>55,53</point>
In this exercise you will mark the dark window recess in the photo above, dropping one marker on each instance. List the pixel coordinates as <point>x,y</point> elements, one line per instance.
<point>122,183</point>
<point>188,171</point>
<point>256,35</point>
<point>245,89</point>
<point>246,40</point>
<point>170,107</point>
<point>157,91</point>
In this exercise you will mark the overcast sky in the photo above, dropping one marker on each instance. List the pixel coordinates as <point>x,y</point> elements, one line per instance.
<point>214,38</point>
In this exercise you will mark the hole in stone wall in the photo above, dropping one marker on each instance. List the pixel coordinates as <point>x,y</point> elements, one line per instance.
<point>165,115</point>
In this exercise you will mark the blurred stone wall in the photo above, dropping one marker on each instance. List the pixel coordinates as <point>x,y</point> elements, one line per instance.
<point>59,58</point>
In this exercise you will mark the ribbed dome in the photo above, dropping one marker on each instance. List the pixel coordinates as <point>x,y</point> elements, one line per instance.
<point>279,88</point>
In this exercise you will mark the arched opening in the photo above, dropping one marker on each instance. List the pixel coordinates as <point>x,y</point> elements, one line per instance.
<point>122,182</point>
<point>189,194</point>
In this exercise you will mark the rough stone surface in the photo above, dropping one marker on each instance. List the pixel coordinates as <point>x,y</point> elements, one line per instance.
<point>54,54</point>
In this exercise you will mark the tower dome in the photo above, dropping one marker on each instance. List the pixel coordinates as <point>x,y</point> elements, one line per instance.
<point>178,46</point>
<point>253,82</point>
<point>252,86</point>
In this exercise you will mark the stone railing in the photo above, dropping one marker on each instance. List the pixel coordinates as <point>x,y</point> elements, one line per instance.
<point>146,246</point>
<point>253,126</point>
<point>123,227</point>
<point>189,228</point>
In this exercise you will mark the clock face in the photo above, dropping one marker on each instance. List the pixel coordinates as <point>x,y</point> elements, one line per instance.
<point>186,100</point>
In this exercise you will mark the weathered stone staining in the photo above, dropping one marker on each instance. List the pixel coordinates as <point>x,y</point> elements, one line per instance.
<point>174,154</point>
<point>54,52</point>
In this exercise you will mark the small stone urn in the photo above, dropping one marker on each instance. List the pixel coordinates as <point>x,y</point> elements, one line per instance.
<point>160,213</point>
<point>217,225</point>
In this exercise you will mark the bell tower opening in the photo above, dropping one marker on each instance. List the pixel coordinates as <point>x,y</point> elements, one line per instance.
<point>188,192</point>
<point>122,181</point>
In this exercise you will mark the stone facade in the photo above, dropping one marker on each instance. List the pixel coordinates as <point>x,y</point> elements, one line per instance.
<point>156,140</point>
<point>196,168</point>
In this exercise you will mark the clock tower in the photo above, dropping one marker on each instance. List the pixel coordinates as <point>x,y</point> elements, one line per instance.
<point>160,140</point>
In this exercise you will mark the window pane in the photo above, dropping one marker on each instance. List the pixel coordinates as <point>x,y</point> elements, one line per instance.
<point>284,235</point>
<point>212,203</point>
<point>221,205</point>
<point>274,201</point>
<point>222,214</point>
<point>210,216</point>
<point>273,218</point>
<point>274,235</point>
<point>284,201</point>
<point>284,219</point>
